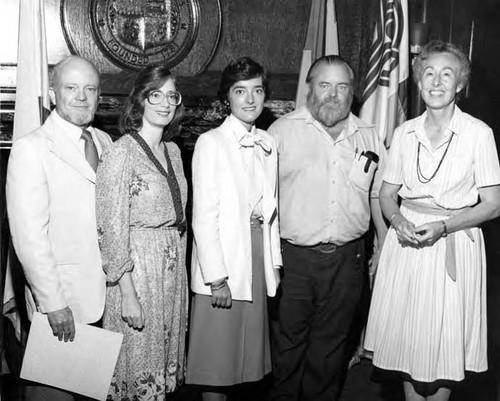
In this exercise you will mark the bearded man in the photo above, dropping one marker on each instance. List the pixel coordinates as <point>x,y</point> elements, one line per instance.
<point>328,179</point>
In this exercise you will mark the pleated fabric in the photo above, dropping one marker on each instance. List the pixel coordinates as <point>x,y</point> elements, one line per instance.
<point>421,322</point>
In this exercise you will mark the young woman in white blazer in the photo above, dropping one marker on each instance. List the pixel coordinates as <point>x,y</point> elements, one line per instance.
<point>236,251</point>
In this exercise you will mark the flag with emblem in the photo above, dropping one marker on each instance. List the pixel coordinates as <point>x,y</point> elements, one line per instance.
<point>384,101</point>
<point>322,39</point>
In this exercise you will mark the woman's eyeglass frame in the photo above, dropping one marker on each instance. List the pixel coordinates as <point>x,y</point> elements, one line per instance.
<point>174,98</point>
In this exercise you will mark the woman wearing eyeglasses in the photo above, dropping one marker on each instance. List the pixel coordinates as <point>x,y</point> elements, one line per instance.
<point>141,196</point>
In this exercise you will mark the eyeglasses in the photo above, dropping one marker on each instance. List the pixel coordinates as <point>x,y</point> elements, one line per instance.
<point>156,97</point>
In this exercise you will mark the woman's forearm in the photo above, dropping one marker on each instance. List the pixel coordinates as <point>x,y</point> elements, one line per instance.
<point>389,201</point>
<point>488,208</point>
<point>378,222</point>
<point>126,284</point>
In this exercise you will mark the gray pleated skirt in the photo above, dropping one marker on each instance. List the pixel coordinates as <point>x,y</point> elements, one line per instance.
<point>231,346</point>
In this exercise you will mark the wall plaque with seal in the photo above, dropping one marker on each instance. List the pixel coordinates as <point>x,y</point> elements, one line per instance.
<point>133,34</point>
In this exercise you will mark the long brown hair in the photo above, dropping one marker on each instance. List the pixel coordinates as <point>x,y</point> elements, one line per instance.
<point>149,79</point>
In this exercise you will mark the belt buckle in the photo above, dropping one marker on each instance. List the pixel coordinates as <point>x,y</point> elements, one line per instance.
<point>327,248</point>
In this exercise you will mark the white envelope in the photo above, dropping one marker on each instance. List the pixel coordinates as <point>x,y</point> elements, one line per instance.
<point>84,366</point>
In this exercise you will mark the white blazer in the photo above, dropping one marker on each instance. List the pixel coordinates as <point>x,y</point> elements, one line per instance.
<point>51,206</point>
<point>222,211</point>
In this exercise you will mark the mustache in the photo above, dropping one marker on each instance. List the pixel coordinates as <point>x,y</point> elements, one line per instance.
<point>329,101</point>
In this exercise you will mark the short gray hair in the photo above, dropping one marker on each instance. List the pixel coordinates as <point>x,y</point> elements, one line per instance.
<point>438,47</point>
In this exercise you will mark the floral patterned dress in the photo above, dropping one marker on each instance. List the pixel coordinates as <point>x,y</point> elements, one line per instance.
<point>135,220</point>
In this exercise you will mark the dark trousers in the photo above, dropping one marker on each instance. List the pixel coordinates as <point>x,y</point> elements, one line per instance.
<point>321,292</point>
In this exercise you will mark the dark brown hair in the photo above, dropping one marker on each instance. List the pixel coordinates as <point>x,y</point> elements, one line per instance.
<point>147,80</point>
<point>241,69</point>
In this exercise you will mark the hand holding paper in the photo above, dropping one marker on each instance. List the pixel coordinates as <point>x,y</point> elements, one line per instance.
<point>62,323</point>
<point>84,366</point>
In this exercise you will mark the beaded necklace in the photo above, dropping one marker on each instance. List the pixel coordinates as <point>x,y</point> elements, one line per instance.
<point>421,177</point>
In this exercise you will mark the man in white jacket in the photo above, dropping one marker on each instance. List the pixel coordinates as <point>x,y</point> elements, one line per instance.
<point>51,207</point>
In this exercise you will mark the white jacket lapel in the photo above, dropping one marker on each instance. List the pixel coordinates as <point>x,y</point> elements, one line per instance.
<point>62,146</point>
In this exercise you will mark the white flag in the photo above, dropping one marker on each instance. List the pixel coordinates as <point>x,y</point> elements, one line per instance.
<point>385,94</point>
<point>32,84</point>
<point>32,107</point>
<point>322,39</point>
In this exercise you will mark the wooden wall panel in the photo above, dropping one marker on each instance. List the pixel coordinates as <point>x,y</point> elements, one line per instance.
<point>272,32</point>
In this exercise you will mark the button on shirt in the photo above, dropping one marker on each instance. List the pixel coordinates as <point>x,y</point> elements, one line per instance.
<point>325,185</point>
<point>75,134</point>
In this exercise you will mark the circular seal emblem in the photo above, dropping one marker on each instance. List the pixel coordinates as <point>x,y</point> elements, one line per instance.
<point>138,33</point>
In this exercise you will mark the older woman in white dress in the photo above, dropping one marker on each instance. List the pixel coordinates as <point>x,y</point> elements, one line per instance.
<point>428,313</point>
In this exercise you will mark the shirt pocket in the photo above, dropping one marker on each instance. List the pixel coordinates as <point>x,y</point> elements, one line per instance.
<point>362,171</point>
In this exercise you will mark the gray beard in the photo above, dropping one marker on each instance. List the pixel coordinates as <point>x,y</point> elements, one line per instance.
<point>327,116</point>
<point>80,119</point>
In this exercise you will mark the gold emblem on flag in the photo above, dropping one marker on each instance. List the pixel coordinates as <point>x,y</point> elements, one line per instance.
<point>138,33</point>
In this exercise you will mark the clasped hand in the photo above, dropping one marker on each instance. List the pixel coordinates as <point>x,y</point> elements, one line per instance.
<point>424,235</point>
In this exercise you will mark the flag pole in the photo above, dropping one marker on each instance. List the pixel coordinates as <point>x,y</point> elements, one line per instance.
<point>452,20</point>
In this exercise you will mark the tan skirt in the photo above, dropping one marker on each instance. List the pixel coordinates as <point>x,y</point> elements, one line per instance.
<point>231,346</point>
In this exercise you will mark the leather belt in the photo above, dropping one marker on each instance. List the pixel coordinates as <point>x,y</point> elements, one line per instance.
<point>325,248</point>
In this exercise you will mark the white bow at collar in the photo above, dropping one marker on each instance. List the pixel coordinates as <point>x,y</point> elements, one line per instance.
<point>250,140</point>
